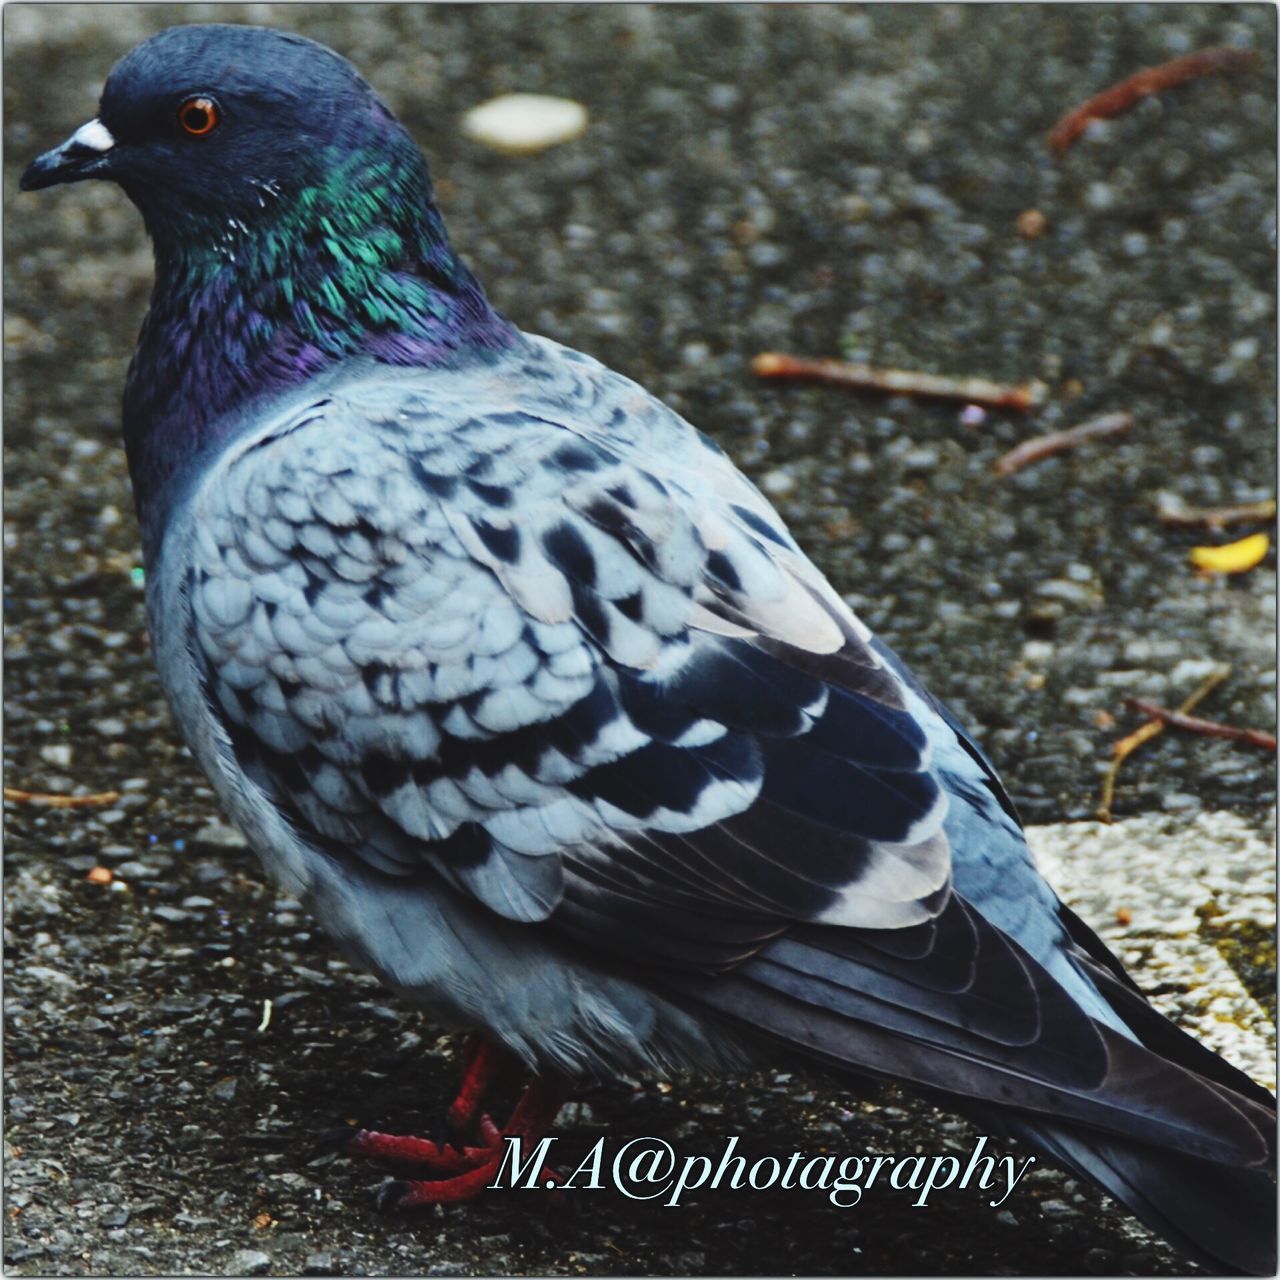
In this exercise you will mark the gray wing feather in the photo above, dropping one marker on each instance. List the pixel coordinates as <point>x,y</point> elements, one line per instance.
<point>424,638</point>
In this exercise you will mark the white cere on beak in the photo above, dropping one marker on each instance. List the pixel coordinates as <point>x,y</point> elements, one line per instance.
<point>95,135</point>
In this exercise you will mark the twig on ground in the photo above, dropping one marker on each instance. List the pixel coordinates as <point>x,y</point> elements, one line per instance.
<point>900,382</point>
<point>1041,447</point>
<point>1206,728</point>
<point>1144,733</point>
<point>50,800</point>
<point>1171,510</point>
<point>1120,97</point>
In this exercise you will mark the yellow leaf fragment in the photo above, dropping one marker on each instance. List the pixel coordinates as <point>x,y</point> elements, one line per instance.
<point>1234,557</point>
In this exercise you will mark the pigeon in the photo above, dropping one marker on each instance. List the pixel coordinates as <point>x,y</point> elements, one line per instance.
<point>527,692</point>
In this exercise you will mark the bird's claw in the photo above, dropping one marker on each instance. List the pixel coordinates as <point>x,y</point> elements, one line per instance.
<point>462,1173</point>
<point>461,1170</point>
<point>389,1196</point>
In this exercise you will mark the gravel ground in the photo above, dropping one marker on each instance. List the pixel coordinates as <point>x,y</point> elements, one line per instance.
<point>815,179</point>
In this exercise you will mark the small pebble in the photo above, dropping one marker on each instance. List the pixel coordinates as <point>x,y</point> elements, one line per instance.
<point>192,1220</point>
<point>1135,244</point>
<point>171,915</point>
<point>1098,196</point>
<point>777,482</point>
<point>922,458</point>
<point>135,870</point>
<point>1068,592</point>
<point>224,1090</point>
<point>1057,1209</point>
<point>221,835</point>
<point>1191,671</point>
<point>1031,224</point>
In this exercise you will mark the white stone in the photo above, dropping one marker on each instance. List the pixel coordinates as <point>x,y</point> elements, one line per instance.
<point>522,123</point>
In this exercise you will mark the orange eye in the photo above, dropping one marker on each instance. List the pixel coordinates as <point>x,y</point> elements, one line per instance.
<point>199,116</point>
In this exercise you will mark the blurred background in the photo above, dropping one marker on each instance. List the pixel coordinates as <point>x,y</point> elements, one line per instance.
<point>823,180</point>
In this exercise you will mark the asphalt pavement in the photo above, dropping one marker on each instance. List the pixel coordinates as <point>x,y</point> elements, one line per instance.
<point>825,180</point>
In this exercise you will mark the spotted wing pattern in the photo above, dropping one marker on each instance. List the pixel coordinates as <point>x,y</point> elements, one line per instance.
<point>578,685</point>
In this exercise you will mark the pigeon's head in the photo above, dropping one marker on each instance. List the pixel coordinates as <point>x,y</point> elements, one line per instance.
<point>209,126</point>
<point>293,227</point>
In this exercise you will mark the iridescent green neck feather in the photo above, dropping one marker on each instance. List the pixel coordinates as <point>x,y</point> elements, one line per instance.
<point>279,283</point>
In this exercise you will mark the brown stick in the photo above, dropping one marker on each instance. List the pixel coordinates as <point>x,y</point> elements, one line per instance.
<point>1144,733</point>
<point>1041,447</point>
<point>51,800</point>
<point>1120,97</point>
<point>1207,728</point>
<point>900,382</point>
<point>1171,510</point>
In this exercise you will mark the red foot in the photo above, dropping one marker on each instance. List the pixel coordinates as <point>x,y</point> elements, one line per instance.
<point>463,1172</point>
<point>484,1067</point>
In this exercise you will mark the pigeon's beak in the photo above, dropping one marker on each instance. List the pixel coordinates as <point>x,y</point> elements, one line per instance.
<point>84,155</point>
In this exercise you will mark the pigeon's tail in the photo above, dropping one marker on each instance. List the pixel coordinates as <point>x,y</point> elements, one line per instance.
<point>958,1010</point>
<point>1223,1218</point>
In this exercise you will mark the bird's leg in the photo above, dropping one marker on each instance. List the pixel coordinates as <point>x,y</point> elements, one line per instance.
<point>484,1065</point>
<point>461,1173</point>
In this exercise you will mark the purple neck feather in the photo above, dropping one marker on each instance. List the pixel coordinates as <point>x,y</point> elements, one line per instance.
<point>357,263</point>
